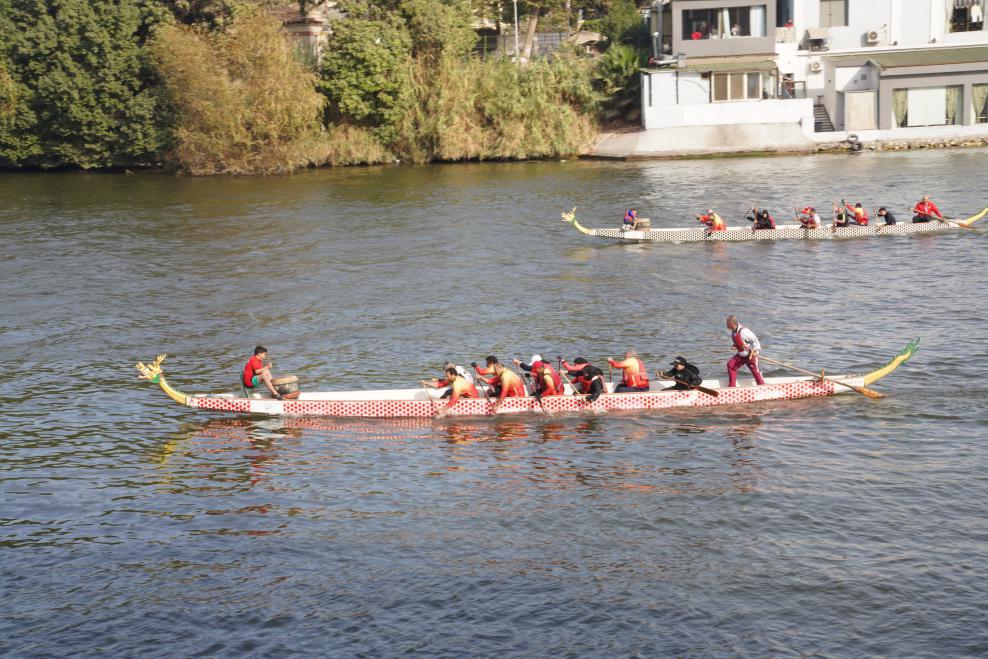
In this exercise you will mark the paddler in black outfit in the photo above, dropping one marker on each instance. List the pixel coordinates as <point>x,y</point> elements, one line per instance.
<point>588,377</point>
<point>687,373</point>
<point>840,215</point>
<point>761,218</point>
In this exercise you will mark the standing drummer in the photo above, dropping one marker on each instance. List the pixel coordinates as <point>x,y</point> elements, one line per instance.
<point>257,372</point>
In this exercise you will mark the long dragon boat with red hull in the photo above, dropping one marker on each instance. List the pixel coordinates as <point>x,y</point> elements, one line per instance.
<point>420,403</point>
<point>700,234</point>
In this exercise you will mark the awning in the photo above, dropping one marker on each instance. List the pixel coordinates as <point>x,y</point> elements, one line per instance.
<point>818,33</point>
<point>749,63</point>
<point>925,57</point>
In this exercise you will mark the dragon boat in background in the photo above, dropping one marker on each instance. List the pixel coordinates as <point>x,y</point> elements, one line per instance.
<point>701,234</point>
<point>420,403</point>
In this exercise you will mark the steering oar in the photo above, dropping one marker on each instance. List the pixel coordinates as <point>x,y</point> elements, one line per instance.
<point>870,393</point>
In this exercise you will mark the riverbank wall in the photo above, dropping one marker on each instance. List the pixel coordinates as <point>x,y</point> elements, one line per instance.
<point>768,139</point>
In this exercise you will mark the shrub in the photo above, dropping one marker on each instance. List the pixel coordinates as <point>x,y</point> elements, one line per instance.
<point>244,102</point>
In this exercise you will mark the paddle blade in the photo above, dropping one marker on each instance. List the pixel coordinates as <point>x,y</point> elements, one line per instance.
<point>870,393</point>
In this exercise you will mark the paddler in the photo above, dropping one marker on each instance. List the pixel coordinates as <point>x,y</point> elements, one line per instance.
<point>926,210</point>
<point>635,375</point>
<point>712,220</point>
<point>858,213</point>
<point>257,372</point>
<point>586,376</point>
<point>439,383</point>
<point>884,214</point>
<point>809,218</point>
<point>506,383</point>
<point>630,222</point>
<point>747,346</point>
<point>761,218</point>
<point>840,216</point>
<point>687,374</point>
<point>545,380</point>
<point>458,388</point>
<point>488,369</point>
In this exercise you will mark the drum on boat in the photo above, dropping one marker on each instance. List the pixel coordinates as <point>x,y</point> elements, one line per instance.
<point>286,385</point>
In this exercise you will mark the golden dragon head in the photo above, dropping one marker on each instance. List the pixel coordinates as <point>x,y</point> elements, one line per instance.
<point>150,371</point>
<point>570,216</point>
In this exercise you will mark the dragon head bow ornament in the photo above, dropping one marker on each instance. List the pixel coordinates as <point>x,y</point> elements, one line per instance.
<point>151,371</point>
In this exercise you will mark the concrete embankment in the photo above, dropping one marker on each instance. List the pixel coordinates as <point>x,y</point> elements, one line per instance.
<point>767,139</point>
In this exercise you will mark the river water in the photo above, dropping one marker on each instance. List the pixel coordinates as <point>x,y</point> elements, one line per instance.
<point>130,526</point>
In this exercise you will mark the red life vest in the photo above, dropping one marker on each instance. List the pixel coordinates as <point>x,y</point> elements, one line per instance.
<point>557,380</point>
<point>738,341</point>
<point>639,379</point>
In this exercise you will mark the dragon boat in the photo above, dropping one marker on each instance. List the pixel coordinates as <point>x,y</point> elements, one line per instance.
<point>421,403</point>
<point>701,234</point>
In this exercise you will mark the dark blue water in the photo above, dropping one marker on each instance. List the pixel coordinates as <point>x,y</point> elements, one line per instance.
<point>130,526</point>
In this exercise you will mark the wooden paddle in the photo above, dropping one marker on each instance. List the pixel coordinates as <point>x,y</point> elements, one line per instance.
<point>706,390</point>
<point>535,393</point>
<point>431,399</point>
<point>870,393</point>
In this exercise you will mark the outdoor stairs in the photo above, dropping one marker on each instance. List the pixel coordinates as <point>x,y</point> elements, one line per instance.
<point>821,119</point>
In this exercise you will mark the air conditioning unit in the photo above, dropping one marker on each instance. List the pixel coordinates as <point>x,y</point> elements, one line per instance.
<point>872,37</point>
<point>816,67</point>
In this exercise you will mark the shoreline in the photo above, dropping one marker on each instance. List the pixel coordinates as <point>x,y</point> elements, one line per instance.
<point>763,140</point>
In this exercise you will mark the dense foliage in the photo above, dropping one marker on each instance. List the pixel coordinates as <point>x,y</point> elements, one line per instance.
<point>243,99</point>
<point>76,89</point>
<point>214,86</point>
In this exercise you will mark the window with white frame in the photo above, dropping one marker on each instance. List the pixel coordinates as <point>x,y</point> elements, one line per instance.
<point>724,23</point>
<point>741,86</point>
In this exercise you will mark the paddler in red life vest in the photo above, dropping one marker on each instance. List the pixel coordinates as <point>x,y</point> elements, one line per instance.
<point>630,222</point>
<point>748,347</point>
<point>713,221</point>
<point>506,383</point>
<point>809,218</point>
<point>926,210</point>
<point>545,380</point>
<point>586,376</point>
<point>858,214</point>
<point>256,372</point>
<point>635,375</point>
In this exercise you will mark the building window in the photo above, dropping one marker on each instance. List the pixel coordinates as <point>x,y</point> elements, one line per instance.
<point>725,23</point>
<point>783,13</point>
<point>965,15</point>
<point>927,106</point>
<point>979,95</point>
<point>833,13</point>
<point>741,86</point>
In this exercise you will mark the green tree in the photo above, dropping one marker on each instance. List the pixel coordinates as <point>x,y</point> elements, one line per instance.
<point>618,80</point>
<point>80,85</point>
<point>366,73</point>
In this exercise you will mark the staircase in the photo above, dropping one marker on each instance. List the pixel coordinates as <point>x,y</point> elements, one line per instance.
<point>821,119</point>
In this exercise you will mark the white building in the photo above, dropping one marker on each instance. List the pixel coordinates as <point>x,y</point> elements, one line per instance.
<point>800,68</point>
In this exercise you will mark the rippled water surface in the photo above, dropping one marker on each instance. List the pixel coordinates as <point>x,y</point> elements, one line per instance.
<point>130,526</point>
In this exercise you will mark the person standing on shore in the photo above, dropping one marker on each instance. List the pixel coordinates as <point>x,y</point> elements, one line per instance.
<point>747,346</point>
